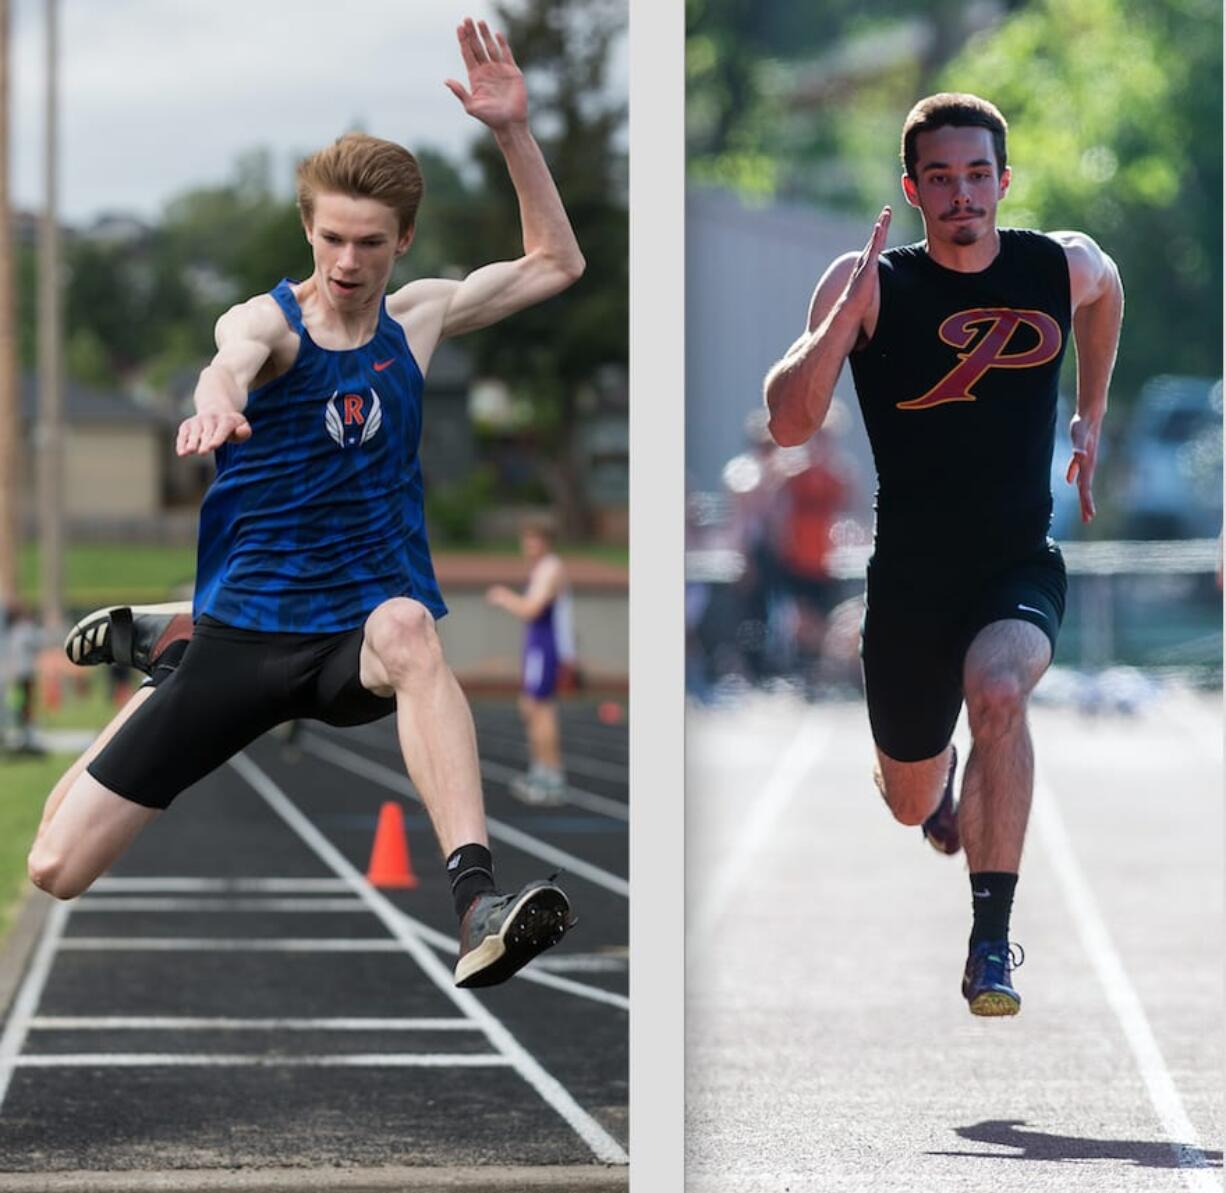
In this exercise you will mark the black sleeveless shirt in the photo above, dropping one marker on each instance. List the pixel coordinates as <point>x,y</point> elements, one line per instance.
<point>958,390</point>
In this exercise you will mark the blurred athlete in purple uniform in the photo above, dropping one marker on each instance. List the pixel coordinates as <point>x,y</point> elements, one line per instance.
<point>549,655</point>
<point>315,594</point>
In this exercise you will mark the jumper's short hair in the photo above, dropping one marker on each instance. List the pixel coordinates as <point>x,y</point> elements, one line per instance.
<point>362,167</point>
<point>953,109</point>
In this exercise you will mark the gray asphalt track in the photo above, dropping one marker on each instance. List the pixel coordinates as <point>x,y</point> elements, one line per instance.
<point>235,996</point>
<point>828,1047</point>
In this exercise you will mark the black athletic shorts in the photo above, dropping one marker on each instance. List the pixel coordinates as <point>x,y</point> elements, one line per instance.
<point>920,618</point>
<point>232,686</point>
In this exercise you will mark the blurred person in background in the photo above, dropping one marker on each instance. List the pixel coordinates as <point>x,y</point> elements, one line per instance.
<point>814,491</point>
<point>753,478</point>
<point>25,640</point>
<point>315,591</point>
<point>955,346</point>
<point>549,660</point>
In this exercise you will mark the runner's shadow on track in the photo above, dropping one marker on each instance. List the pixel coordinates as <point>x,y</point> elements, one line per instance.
<point>1039,1145</point>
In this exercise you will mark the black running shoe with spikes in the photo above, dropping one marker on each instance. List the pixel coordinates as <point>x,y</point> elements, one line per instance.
<point>131,636</point>
<point>500,934</point>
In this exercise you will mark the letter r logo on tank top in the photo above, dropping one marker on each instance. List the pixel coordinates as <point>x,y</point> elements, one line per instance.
<point>353,419</point>
<point>995,327</point>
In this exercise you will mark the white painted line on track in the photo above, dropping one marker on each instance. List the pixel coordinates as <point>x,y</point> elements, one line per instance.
<point>764,812</point>
<point>373,1060</point>
<point>286,886</point>
<point>602,1144</point>
<point>1121,994</point>
<point>204,1023</point>
<point>588,800</point>
<point>501,773</point>
<point>210,944</point>
<point>152,903</point>
<point>581,764</point>
<point>399,782</point>
<point>583,963</point>
<point>26,1002</point>
<point>579,989</point>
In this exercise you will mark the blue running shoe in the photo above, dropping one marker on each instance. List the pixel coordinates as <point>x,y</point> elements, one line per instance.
<point>985,984</point>
<point>941,828</point>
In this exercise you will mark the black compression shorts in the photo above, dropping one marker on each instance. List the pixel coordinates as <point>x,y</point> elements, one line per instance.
<point>232,686</point>
<point>920,619</point>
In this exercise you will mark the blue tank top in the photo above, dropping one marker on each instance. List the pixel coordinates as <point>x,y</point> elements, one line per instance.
<point>318,517</point>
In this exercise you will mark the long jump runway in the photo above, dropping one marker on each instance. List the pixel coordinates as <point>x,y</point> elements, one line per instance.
<point>828,1046</point>
<point>236,995</point>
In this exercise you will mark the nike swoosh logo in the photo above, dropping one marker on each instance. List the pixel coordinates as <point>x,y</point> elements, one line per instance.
<point>1032,609</point>
<point>380,365</point>
<point>982,894</point>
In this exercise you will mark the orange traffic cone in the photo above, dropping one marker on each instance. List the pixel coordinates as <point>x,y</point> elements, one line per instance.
<point>390,866</point>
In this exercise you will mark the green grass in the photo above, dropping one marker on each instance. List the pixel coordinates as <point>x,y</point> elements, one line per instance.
<point>85,702</point>
<point>24,783</point>
<point>101,573</point>
<point>129,573</point>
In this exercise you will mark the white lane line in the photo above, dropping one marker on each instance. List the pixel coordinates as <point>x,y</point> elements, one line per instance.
<point>204,1023</point>
<point>580,764</point>
<point>171,883</point>
<point>220,944</point>
<point>583,963</point>
<point>26,1002</point>
<point>602,1144</point>
<point>764,811</point>
<point>375,1060</point>
<point>398,782</point>
<point>579,989</point>
<point>152,903</point>
<point>588,800</point>
<point>1121,994</point>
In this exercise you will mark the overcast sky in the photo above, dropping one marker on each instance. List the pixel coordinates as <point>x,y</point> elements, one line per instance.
<point>157,96</point>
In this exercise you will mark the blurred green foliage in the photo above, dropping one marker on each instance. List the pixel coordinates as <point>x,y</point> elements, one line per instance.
<point>1115,129</point>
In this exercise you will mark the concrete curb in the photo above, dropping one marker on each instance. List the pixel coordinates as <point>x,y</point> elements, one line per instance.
<point>349,1180</point>
<point>19,944</point>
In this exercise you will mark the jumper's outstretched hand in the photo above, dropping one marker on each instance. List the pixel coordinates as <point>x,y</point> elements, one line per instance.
<point>496,94</point>
<point>204,433</point>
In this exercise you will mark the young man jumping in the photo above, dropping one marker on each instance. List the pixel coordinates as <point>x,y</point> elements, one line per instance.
<point>315,594</point>
<point>955,346</point>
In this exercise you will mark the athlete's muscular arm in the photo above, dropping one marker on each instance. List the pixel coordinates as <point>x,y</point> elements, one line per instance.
<point>431,309</point>
<point>545,586</point>
<point>1098,310</point>
<point>245,335</point>
<point>843,312</point>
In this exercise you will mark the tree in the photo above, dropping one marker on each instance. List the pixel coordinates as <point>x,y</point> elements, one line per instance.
<point>1115,128</point>
<point>550,353</point>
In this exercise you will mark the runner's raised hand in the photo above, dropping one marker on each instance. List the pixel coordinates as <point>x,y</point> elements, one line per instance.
<point>860,294</point>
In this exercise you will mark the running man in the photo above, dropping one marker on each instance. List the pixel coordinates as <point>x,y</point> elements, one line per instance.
<point>315,594</point>
<point>955,346</point>
<point>549,650</point>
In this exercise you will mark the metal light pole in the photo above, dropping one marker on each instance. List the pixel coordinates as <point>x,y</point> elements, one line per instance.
<point>50,395</point>
<point>10,398</point>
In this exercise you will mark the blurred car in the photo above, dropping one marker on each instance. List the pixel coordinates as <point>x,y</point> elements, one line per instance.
<point>1172,486</point>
